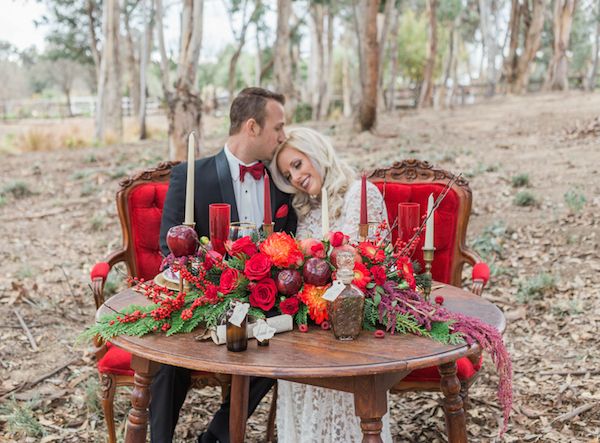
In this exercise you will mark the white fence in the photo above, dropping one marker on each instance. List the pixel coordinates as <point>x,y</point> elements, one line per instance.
<point>54,108</point>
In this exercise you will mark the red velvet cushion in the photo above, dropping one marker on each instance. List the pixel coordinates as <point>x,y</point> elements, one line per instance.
<point>145,210</point>
<point>445,218</point>
<point>464,370</point>
<point>100,270</point>
<point>115,361</point>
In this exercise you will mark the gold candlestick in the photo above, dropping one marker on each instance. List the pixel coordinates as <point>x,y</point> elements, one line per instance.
<point>363,231</point>
<point>428,259</point>
<point>268,228</point>
<point>191,225</point>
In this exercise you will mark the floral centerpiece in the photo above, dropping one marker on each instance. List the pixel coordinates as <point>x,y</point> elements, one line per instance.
<point>284,275</point>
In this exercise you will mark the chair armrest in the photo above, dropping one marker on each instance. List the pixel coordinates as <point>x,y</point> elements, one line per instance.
<point>481,271</point>
<point>100,272</point>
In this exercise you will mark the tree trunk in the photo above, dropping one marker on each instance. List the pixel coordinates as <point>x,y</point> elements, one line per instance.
<point>241,41</point>
<point>258,58</point>
<point>510,63</point>
<point>391,89</point>
<point>346,80</point>
<point>593,79</point>
<point>426,96</point>
<point>67,92</point>
<point>369,58</point>
<point>328,79</point>
<point>282,63</point>
<point>109,115</point>
<point>532,44</point>
<point>93,39</point>
<point>317,58</point>
<point>185,105</point>
<point>557,77</point>
<point>147,19</point>
<point>489,33</point>
<point>133,64</point>
<point>388,18</point>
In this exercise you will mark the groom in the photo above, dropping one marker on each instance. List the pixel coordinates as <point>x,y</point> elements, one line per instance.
<point>234,176</point>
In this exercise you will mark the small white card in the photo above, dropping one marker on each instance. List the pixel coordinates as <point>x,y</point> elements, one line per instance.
<point>334,290</point>
<point>239,314</point>
<point>262,331</point>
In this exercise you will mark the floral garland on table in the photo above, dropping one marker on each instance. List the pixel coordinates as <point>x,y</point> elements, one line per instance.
<point>280,273</point>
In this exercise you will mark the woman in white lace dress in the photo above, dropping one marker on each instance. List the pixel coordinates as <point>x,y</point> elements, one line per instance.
<point>306,165</point>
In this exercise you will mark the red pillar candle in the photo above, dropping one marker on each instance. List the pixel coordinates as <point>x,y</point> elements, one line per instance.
<point>219,216</point>
<point>267,219</point>
<point>408,220</point>
<point>363,200</point>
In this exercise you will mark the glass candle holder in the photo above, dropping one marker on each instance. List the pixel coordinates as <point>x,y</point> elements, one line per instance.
<point>408,220</point>
<point>219,217</point>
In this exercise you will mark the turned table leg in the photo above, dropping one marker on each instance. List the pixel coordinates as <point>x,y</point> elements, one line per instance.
<point>137,420</point>
<point>370,404</point>
<point>456,425</point>
<point>238,412</point>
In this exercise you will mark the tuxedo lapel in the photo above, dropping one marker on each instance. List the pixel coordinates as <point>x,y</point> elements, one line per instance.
<point>225,183</point>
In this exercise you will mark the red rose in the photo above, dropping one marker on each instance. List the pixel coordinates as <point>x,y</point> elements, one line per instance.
<point>258,267</point>
<point>337,239</point>
<point>244,245</point>
<point>313,248</point>
<point>263,294</point>
<point>282,211</point>
<point>378,274</point>
<point>289,306</point>
<point>229,280</point>
<point>212,257</point>
<point>210,293</point>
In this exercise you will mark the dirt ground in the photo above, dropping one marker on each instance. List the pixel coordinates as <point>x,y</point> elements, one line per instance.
<point>57,218</point>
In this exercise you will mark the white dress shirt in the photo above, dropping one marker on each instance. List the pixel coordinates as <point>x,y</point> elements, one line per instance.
<point>249,194</point>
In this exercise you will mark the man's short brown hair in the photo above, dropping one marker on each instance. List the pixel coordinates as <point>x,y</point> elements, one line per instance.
<point>251,103</point>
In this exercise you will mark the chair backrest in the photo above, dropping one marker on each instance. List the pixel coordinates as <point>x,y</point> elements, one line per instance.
<point>413,181</point>
<point>139,204</point>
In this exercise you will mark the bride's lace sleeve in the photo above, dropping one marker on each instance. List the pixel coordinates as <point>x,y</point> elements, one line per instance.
<point>375,208</point>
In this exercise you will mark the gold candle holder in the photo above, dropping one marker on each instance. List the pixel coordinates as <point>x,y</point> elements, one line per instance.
<point>191,225</point>
<point>268,228</point>
<point>428,259</point>
<point>363,231</point>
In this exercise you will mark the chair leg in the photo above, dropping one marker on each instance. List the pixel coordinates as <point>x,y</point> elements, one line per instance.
<point>272,416</point>
<point>464,393</point>
<point>108,385</point>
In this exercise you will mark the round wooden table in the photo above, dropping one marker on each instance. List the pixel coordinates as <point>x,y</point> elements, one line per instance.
<point>367,367</point>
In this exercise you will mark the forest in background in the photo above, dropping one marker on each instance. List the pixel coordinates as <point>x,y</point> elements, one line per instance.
<point>331,58</point>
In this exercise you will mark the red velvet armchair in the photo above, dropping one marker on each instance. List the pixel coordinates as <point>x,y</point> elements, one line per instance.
<point>413,181</point>
<point>140,201</point>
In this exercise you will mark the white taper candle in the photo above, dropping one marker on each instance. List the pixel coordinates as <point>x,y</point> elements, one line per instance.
<point>189,190</point>
<point>429,225</point>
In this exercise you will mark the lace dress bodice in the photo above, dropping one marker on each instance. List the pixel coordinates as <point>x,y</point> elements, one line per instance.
<point>310,225</point>
<point>310,414</point>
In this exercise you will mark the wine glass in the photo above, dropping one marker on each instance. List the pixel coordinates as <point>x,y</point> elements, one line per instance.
<point>238,230</point>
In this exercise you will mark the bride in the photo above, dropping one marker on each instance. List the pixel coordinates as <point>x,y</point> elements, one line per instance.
<point>306,165</point>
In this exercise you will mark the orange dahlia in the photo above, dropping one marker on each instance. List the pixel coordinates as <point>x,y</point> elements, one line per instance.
<point>282,249</point>
<point>312,297</point>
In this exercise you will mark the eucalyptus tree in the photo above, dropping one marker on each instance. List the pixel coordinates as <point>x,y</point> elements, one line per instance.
<point>184,106</point>
<point>517,64</point>
<point>557,75</point>
<point>365,15</point>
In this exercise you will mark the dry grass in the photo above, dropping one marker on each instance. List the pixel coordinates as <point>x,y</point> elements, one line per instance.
<point>75,133</point>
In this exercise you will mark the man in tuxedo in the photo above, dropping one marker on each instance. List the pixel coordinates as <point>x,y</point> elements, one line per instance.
<point>235,176</point>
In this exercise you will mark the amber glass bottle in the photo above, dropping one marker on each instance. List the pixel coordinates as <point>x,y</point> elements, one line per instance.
<point>236,337</point>
<point>346,311</point>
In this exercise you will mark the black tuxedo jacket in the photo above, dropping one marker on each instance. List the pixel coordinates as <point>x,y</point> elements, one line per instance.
<point>213,185</point>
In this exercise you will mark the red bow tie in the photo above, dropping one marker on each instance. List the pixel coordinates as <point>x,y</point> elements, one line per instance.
<point>256,170</point>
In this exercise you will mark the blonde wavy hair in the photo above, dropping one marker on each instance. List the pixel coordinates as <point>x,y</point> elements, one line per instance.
<point>336,174</point>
